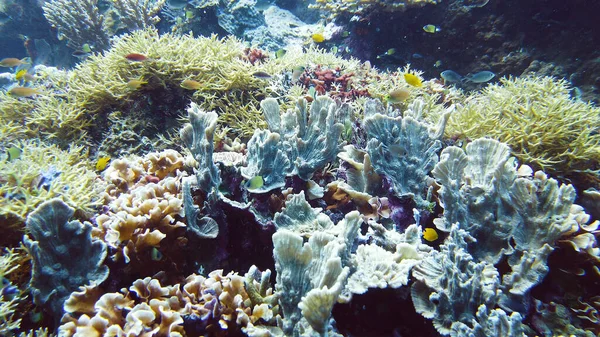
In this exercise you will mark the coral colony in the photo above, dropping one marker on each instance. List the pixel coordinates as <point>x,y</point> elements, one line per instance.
<point>173,185</point>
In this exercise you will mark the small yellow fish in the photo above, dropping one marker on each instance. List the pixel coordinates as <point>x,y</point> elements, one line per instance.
<point>430,234</point>
<point>189,15</point>
<point>23,92</point>
<point>135,84</point>
<point>191,85</point>
<point>279,53</point>
<point>102,163</point>
<point>398,95</point>
<point>20,74</point>
<point>318,37</point>
<point>13,153</point>
<point>86,48</point>
<point>255,183</point>
<point>413,80</point>
<point>431,29</point>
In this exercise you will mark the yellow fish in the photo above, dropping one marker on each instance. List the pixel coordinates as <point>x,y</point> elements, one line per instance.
<point>430,234</point>
<point>255,183</point>
<point>318,37</point>
<point>102,163</point>
<point>20,74</point>
<point>135,84</point>
<point>413,80</point>
<point>13,153</point>
<point>431,29</point>
<point>23,92</point>
<point>191,85</point>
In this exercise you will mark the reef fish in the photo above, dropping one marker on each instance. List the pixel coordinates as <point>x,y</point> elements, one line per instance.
<point>13,153</point>
<point>102,163</point>
<point>318,38</point>
<point>480,77</point>
<point>430,234</point>
<point>262,75</point>
<point>451,76</point>
<point>191,85</point>
<point>135,84</point>
<point>431,29</point>
<point>413,80</point>
<point>23,92</point>
<point>398,95</point>
<point>177,4</point>
<point>135,57</point>
<point>10,62</point>
<point>254,183</point>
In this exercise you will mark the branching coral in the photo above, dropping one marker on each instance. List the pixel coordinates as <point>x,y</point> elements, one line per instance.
<point>539,121</point>
<point>42,172</point>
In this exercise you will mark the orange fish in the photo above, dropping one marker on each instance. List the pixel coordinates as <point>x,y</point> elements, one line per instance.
<point>135,57</point>
<point>10,62</point>
<point>23,92</point>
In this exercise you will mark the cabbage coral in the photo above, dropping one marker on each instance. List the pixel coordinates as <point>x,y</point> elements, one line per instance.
<point>539,121</point>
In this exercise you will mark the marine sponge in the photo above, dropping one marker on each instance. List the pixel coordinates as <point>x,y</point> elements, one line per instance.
<point>537,118</point>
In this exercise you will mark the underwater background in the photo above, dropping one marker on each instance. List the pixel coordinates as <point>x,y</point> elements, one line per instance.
<point>299,168</point>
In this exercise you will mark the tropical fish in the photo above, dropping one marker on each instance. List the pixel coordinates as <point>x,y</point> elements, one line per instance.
<point>430,234</point>
<point>398,95</point>
<point>23,92</point>
<point>191,85</point>
<point>102,163</point>
<point>279,53</point>
<point>155,254</point>
<point>135,57</point>
<point>417,56</point>
<point>13,153</point>
<point>312,92</point>
<point>345,33</point>
<point>189,15</point>
<point>431,29</point>
<point>177,4</point>
<point>480,77</point>
<point>20,74</point>
<point>255,183</point>
<point>86,48</point>
<point>135,84</point>
<point>451,76</point>
<point>413,80</point>
<point>262,75</point>
<point>10,62</point>
<point>318,38</point>
<point>438,63</point>
<point>388,52</point>
<point>297,72</point>
<point>81,54</point>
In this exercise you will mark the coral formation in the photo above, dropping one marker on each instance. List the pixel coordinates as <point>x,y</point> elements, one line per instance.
<point>539,120</point>
<point>54,242</point>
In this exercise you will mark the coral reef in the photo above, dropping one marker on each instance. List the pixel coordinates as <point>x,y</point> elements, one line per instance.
<point>539,120</point>
<point>53,242</point>
<point>353,7</point>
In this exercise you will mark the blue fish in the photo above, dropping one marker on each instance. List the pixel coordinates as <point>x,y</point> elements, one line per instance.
<point>451,76</point>
<point>480,77</point>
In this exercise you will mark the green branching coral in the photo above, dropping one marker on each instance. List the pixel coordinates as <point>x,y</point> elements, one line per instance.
<point>539,121</point>
<point>42,172</point>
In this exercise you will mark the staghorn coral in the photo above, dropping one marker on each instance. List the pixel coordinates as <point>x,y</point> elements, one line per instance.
<point>538,119</point>
<point>137,14</point>
<point>79,22</point>
<point>9,297</point>
<point>199,306</point>
<point>44,171</point>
